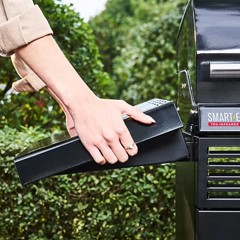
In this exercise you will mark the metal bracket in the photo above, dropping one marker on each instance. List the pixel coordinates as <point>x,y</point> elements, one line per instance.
<point>189,86</point>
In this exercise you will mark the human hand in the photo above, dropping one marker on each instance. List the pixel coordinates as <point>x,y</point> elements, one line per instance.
<point>102,131</point>
<point>97,122</point>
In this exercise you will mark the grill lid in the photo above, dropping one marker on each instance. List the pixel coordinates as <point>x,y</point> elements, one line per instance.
<point>216,25</point>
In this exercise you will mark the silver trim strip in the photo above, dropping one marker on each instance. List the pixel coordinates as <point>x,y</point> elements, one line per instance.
<point>225,51</point>
<point>225,69</point>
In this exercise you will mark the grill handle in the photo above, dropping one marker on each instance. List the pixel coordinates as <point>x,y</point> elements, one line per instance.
<point>224,69</point>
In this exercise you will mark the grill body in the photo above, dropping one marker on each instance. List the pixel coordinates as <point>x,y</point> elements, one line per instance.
<point>208,187</point>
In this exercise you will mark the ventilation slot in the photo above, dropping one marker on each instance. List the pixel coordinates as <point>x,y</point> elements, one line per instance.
<point>223,179</point>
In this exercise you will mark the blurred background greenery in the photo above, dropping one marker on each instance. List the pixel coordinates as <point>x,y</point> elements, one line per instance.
<point>125,52</point>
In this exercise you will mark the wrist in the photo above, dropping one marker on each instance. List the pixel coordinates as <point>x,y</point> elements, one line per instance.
<point>77,97</point>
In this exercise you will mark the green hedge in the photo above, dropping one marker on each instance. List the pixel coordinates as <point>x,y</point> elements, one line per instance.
<point>134,203</point>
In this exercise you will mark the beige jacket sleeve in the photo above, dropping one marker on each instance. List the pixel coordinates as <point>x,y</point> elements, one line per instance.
<point>21,22</point>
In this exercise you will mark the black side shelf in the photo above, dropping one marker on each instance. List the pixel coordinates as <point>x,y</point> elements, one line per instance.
<point>158,143</point>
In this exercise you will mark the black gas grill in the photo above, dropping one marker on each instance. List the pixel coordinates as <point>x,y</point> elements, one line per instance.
<point>208,169</point>
<point>208,187</point>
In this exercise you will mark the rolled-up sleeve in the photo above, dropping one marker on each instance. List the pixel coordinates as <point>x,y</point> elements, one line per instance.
<point>24,23</point>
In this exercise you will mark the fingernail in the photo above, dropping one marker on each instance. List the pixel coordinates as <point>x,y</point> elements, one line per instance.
<point>102,162</point>
<point>150,119</point>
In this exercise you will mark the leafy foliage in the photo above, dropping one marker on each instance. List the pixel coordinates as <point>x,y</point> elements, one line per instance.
<point>133,203</point>
<point>140,54</point>
<point>146,68</point>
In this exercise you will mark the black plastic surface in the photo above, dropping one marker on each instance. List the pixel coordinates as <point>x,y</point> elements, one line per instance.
<point>158,143</point>
<point>218,225</point>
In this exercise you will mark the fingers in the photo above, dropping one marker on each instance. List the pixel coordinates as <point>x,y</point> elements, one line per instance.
<point>119,151</point>
<point>122,144</point>
<point>112,149</point>
<point>136,114</point>
<point>128,143</point>
<point>111,152</point>
<point>96,154</point>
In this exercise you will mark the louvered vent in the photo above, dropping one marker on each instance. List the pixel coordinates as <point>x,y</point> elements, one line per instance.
<point>223,179</point>
<point>157,101</point>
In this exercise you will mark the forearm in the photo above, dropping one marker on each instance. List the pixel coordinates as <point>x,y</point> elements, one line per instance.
<point>69,121</point>
<point>47,60</point>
